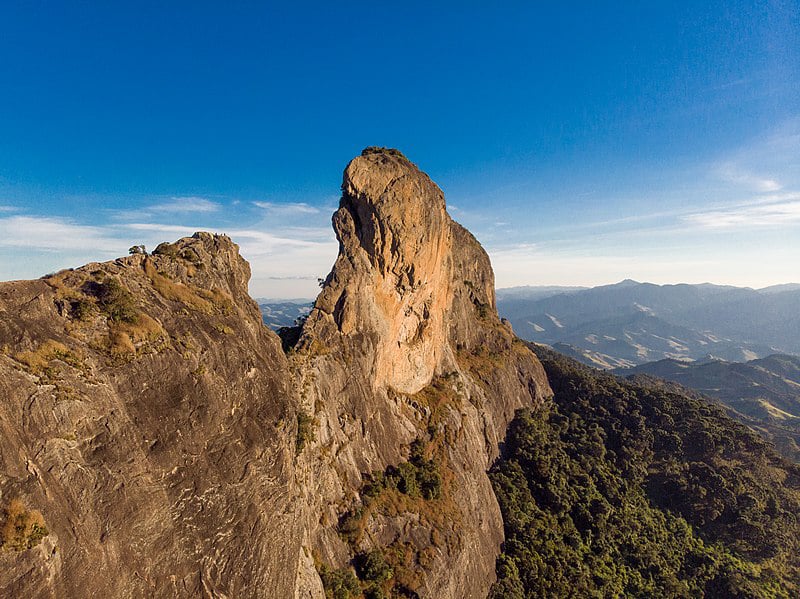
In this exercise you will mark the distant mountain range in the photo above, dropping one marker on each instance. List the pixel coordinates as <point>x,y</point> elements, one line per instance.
<point>763,394</point>
<point>283,313</point>
<point>632,323</point>
<point>530,292</point>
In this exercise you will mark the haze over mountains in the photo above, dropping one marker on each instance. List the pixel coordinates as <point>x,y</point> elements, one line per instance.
<point>283,313</point>
<point>763,394</point>
<point>632,323</point>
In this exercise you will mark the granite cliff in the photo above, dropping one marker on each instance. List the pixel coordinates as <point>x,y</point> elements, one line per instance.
<point>159,440</point>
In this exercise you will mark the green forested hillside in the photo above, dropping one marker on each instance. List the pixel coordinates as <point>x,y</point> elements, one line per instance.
<point>618,489</point>
<point>763,394</point>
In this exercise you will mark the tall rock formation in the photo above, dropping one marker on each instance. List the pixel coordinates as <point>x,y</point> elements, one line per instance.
<point>170,447</point>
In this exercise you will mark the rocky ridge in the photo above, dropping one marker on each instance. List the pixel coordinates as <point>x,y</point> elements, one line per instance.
<point>172,447</point>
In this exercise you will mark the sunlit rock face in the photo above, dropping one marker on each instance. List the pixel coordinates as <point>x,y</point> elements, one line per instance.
<point>393,276</point>
<point>410,303</point>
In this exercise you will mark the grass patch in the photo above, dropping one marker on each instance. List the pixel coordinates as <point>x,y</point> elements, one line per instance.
<point>57,282</point>
<point>144,328</point>
<point>125,337</point>
<point>318,348</point>
<point>38,360</point>
<point>177,292</point>
<point>22,528</point>
<point>219,299</point>
<point>305,431</point>
<point>437,399</point>
<point>223,328</point>
<point>120,343</point>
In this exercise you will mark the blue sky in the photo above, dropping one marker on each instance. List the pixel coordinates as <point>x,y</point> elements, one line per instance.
<point>582,143</point>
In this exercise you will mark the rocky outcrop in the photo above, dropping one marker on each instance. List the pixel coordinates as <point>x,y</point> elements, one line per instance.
<point>393,278</point>
<point>404,345</point>
<point>157,446</point>
<point>173,448</point>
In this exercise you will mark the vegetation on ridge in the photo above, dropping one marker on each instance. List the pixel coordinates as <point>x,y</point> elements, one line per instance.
<point>763,394</point>
<point>305,431</point>
<point>415,486</point>
<point>382,150</point>
<point>420,486</point>
<point>620,489</point>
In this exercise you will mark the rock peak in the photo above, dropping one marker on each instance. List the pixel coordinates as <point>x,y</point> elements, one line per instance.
<point>404,344</point>
<point>392,279</point>
<point>389,209</point>
<point>409,284</point>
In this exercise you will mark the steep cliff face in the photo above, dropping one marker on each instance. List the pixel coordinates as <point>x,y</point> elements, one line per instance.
<point>144,415</point>
<point>172,448</point>
<point>393,278</point>
<point>405,347</point>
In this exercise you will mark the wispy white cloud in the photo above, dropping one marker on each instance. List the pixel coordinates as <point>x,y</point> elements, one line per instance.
<point>289,264</point>
<point>262,242</point>
<point>671,221</point>
<point>7,208</point>
<point>54,234</point>
<point>291,278</point>
<point>733,173</point>
<point>309,233</point>
<point>759,215</point>
<point>767,163</point>
<point>287,209</point>
<point>178,206</point>
<point>185,204</point>
<point>286,263</point>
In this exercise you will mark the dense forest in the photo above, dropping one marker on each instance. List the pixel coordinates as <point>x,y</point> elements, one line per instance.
<point>623,489</point>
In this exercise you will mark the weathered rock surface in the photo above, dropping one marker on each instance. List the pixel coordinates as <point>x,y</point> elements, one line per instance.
<point>174,449</point>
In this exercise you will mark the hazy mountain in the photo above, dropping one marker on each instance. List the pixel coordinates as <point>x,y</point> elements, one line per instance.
<point>765,391</point>
<point>283,313</point>
<point>529,292</point>
<point>632,323</point>
<point>768,318</point>
<point>780,288</point>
